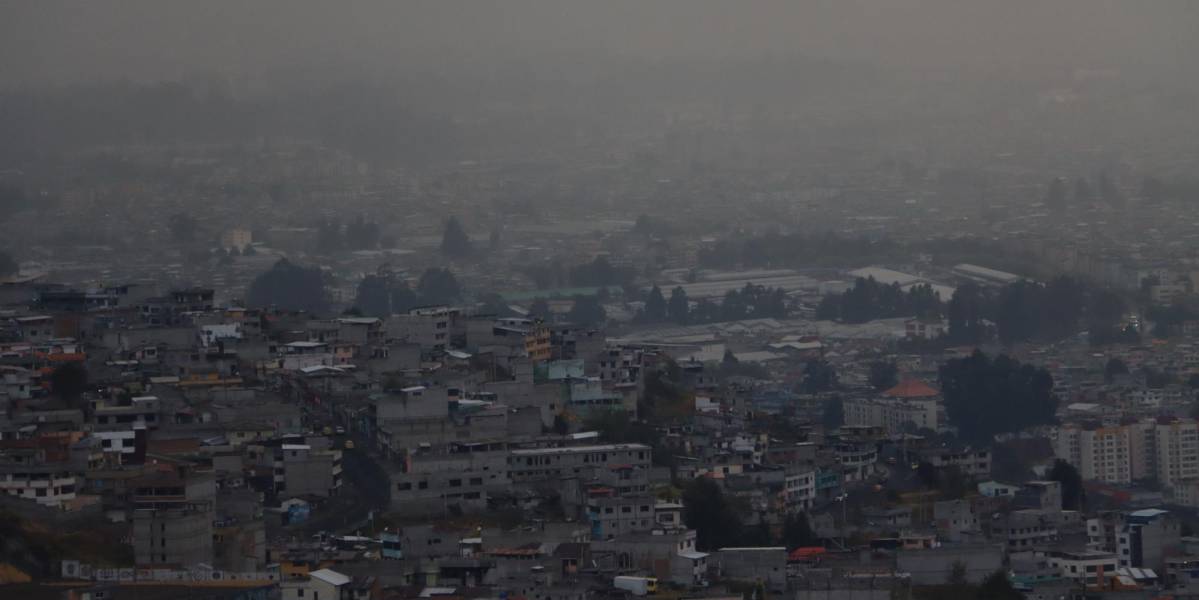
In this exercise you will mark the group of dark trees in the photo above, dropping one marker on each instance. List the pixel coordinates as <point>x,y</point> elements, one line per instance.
<point>183,227</point>
<point>868,300</point>
<point>384,293</point>
<point>587,311</point>
<point>359,234</point>
<point>600,272</point>
<point>1073,492</point>
<point>8,266</point>
<point>985,396</point>
<point>818,376</point>
<point>957,586</point>
<point>884,375</point>
<point>454,241</point>
<point>794,250</point>
<point>750,302</point>
<point>289,286</point>
<point>1082,192</point>
<point>718,522</point>
<point>13,198</point>
<point>1026,311</point>
<point>1168,320</point>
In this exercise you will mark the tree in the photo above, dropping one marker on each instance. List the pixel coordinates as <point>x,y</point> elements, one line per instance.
<point>709,513</point>
<point>997,587</point>
<point>599,273</point>
<point>69,382</point>
<point>833,414</point>
<point>1073,494</point>
<point>289,287</point>
<point>957,574</point>
<point>1110,193</point>
<point>540,309</point>
<point>884,375</point>
<point>965,315</point>
<point>587,311</point>
<point>984,397</point>
<point>797,532</point>
<point>437,287</point>
<point>8,266</point>
<point>1082,192</point>
<point>329,238</point>
<point>382,295</point>
<point>655,305</point>
<point>819,376</point>
<point>1114,368</point>
<point>183,227</point>
<point>679,308</point>
<point>362,235</point>
<point>454,241</point>
<point>1055,196</point>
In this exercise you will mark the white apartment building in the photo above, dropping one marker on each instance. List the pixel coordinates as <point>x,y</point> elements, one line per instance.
<point>893,414</point>
<point>1101,454</point>
<point>1085,566</point>
<point>799,490</point>
<point>1177,452</point>
<point>47,485</point>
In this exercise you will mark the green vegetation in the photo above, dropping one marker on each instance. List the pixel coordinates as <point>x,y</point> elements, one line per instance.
<point>8,266</point>
<point>884,375</point>
<point>868,300</point>
<point>69,381</point>
<point>383,294</point>
<point>818,376</point>
<point>454,241</point>
<point>1073,494</point>
<point>985,397</point>
<point>289,286</point>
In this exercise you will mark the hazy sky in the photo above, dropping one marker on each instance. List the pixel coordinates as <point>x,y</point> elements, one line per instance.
<point>59,40</point>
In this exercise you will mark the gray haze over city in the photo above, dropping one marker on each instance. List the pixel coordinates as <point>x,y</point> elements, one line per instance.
<point>566,300</point>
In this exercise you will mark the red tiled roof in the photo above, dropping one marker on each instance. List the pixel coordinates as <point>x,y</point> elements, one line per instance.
<point>912,388</point>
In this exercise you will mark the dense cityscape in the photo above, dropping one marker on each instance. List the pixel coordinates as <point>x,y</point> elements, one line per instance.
<point>597,324</point>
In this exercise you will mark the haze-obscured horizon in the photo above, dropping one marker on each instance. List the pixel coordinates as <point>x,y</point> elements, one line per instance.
<point>65,42</point>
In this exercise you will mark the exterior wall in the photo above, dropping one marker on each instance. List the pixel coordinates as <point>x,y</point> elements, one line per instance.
<point>933,566</point>
<point>612,516</point>
<point>315,473</point>
<point>799,490</point>
<point>1083,567</point>
<point>45,485</point>
<point>181,537</point>
<point>768,565</point>
<point>435,483</point>
<point>1177,452</point>
<point>554,463</point>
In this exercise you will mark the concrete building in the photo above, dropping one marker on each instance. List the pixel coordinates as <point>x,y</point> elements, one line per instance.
<point>1177,452</point>
<point>46,484</point>
<point>431,328</point>
<point>908,406</point>
<point>1099,454</point>
<point>554,463</point>
<point>767,565</point>
<point>1085,566</point>
<point>435,483</point>
<point>1147,538</point>
<point>968,461</point>
<point>173,537</point>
